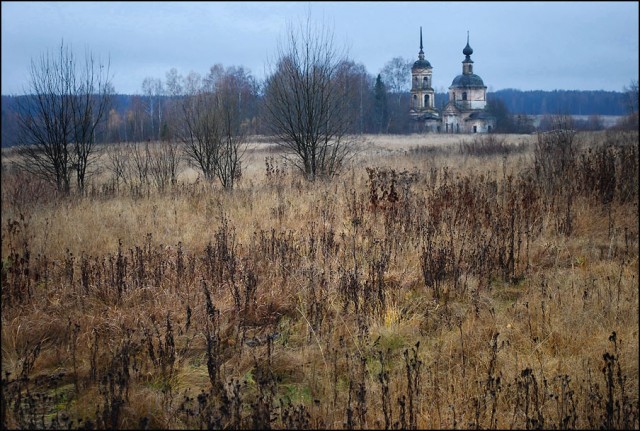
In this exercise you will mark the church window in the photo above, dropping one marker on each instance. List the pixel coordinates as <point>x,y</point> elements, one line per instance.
<point>464,95</point>
<point>426,100</point>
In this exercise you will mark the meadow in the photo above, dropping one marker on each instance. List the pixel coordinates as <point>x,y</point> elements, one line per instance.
<point>438,282</point>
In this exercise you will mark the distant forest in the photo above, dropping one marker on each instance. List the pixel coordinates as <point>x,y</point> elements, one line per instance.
<point>516,102</point>
<point>571,102</point>
<point>535,102</point>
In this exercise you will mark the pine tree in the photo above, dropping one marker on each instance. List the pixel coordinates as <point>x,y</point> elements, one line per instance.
<point>380,109</point>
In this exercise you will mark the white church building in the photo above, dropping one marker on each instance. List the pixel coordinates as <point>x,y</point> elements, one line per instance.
<point>464,112</point>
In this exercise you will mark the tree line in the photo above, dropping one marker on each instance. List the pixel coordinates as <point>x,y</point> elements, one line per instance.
<point>141,117</point>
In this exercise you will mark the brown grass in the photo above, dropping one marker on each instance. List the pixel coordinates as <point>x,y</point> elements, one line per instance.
<point>438,282</point>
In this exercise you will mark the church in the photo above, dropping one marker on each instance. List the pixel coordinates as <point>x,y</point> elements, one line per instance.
<point>465,111</point>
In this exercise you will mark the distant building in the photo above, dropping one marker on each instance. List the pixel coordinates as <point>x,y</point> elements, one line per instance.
<point>423,97</point>
<point>465,111</point>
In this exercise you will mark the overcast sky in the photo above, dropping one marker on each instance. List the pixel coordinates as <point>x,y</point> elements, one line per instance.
<point>522,45</point>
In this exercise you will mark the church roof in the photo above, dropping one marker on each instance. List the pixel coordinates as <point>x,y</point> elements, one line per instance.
<point>427,116</point>
<point>421,64</point>
<point>480,115</point>
<point>467,81</point>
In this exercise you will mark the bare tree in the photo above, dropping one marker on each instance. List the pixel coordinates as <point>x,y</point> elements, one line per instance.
<point>141,162</point>
<point>231,149</point>
<point>199,130</point>
<point>396,73</point>
<point>59,118</point>
<point>306,107</point>
<point>119,164</point>
<point>214,122</point>
<point>174,86</point>
<point>357,85</point>
<point>164,164</point>
<point>192,83</point>
<point>90,105</point>
<point>210,81</point>
<point>135,119</point>
<point>174,82</point>
<point>154,90</point>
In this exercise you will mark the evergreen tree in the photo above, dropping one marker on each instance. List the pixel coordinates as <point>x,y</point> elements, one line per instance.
<point>381,108</point>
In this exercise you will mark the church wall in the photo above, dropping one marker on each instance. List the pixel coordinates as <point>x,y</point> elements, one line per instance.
<point>459,123</point>
<point>452,124</point>
<point>478,94</point>
<point>473,95</point>
<point>477,104</point>
<point>480,126</point>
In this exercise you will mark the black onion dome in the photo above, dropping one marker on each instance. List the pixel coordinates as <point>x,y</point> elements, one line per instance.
<point>470,80</point>
<point>467,50</point>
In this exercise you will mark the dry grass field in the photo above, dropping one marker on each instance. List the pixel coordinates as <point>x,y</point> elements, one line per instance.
<point>438,282</point>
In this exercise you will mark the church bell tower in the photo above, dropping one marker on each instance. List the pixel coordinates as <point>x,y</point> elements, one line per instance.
<point>422,92</point>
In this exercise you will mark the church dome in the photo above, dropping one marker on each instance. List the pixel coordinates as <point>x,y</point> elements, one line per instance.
<point>467,80</point>
<point>421,64</point>
<point>467,50</point>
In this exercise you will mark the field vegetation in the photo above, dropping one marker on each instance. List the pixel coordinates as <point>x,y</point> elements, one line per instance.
<point>435,282</point>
